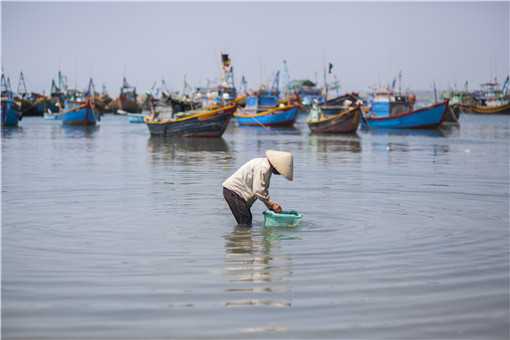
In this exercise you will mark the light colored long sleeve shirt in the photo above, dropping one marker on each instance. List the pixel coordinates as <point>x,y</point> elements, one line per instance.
<point>251,181</point>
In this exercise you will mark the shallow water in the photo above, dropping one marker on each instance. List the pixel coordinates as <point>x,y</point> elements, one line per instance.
<point>110,234</point>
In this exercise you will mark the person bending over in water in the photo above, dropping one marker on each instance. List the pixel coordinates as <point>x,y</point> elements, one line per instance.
<point>251,181</point>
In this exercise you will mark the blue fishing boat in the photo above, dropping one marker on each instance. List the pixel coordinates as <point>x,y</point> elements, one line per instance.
<point>77,114</point>
<point>136,118</point>
<point>10,117</point>
<point>265,110</point>
<point>426,117</point>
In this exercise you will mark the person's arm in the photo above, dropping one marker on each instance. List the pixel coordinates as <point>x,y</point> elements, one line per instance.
<point>260,186</point>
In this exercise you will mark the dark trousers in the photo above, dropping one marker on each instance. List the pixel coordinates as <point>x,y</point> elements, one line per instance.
<point>239,207</point>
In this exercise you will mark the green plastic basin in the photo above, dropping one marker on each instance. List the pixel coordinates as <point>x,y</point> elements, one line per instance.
<point>289,218</point>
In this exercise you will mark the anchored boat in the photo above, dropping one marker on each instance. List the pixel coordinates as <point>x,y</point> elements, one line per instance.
<point>345,120</point>
<point>209,122</point>
<point>77,113</point>
<point>127,100</point>
<point>491,109</point>
<point>265,110</point>
<point>492,99</point>
<point>424,118</point>
<point>10,116</point>
<point>136,118</point>
<point>391,111</point>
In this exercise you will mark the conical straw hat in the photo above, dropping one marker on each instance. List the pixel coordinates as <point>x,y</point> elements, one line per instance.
<point>282,161</point>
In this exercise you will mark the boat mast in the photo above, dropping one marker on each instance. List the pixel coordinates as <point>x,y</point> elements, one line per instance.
<point>5,86</point>
<point>325,84</point>
<point>227,76</point>
<point>244,85</point>
<point>285,79</point>
<point>91,90</point>
<point>22,85</point>
<point>276,82</point>
<point>400,82</point>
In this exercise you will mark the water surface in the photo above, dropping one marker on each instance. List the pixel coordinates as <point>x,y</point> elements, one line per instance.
<point>110,234</point>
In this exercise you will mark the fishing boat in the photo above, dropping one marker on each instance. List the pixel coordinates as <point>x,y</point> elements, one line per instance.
<point>424,118</point>
<point>307,91</point>
<point>345,101</point>
<point>10,115</point>
<point>345,120</point>
<point>127,100</point>
<point>265,110</point>
<point>493,99</point>
<point>491,109</point>
<point>208,122</point>
<point>391,111</point>
<point>77,113</point>
<point>136,118</point>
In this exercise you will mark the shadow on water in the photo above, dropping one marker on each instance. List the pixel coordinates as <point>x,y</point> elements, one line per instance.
<point>335,143</point>
<point>256,268</point>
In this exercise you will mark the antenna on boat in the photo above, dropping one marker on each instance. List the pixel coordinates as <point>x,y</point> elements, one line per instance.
<point>435,91</point>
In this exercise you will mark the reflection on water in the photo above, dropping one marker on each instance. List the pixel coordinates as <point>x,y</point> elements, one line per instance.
<point>256,268</point>
<point>442,132</point>
<point>340,143</point>
<point>187,149</point>
<point>10,131</point>
<point>268,131</point>
<point>71,131</point>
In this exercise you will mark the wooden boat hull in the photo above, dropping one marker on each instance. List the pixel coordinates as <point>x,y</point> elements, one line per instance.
<point>197,126</point>
<point>501,109</point>
<point>273,118</point>
<point>424,118</point>
<point>10,117</point>
<point>342,122</point>
<point>129,106</point>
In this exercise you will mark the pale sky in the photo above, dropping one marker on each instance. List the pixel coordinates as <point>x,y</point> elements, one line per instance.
<point>368,43</point>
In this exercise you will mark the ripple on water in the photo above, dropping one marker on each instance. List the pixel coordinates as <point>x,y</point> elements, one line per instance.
<point>108,233</point>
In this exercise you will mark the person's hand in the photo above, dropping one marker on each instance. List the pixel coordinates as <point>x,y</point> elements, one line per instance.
<point>276,207</point>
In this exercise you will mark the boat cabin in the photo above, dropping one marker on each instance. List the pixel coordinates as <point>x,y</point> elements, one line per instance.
<point>385,103</point>
<point>262,101</point>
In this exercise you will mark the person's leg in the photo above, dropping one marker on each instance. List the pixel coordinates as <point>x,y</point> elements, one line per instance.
<point>239,208</point>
